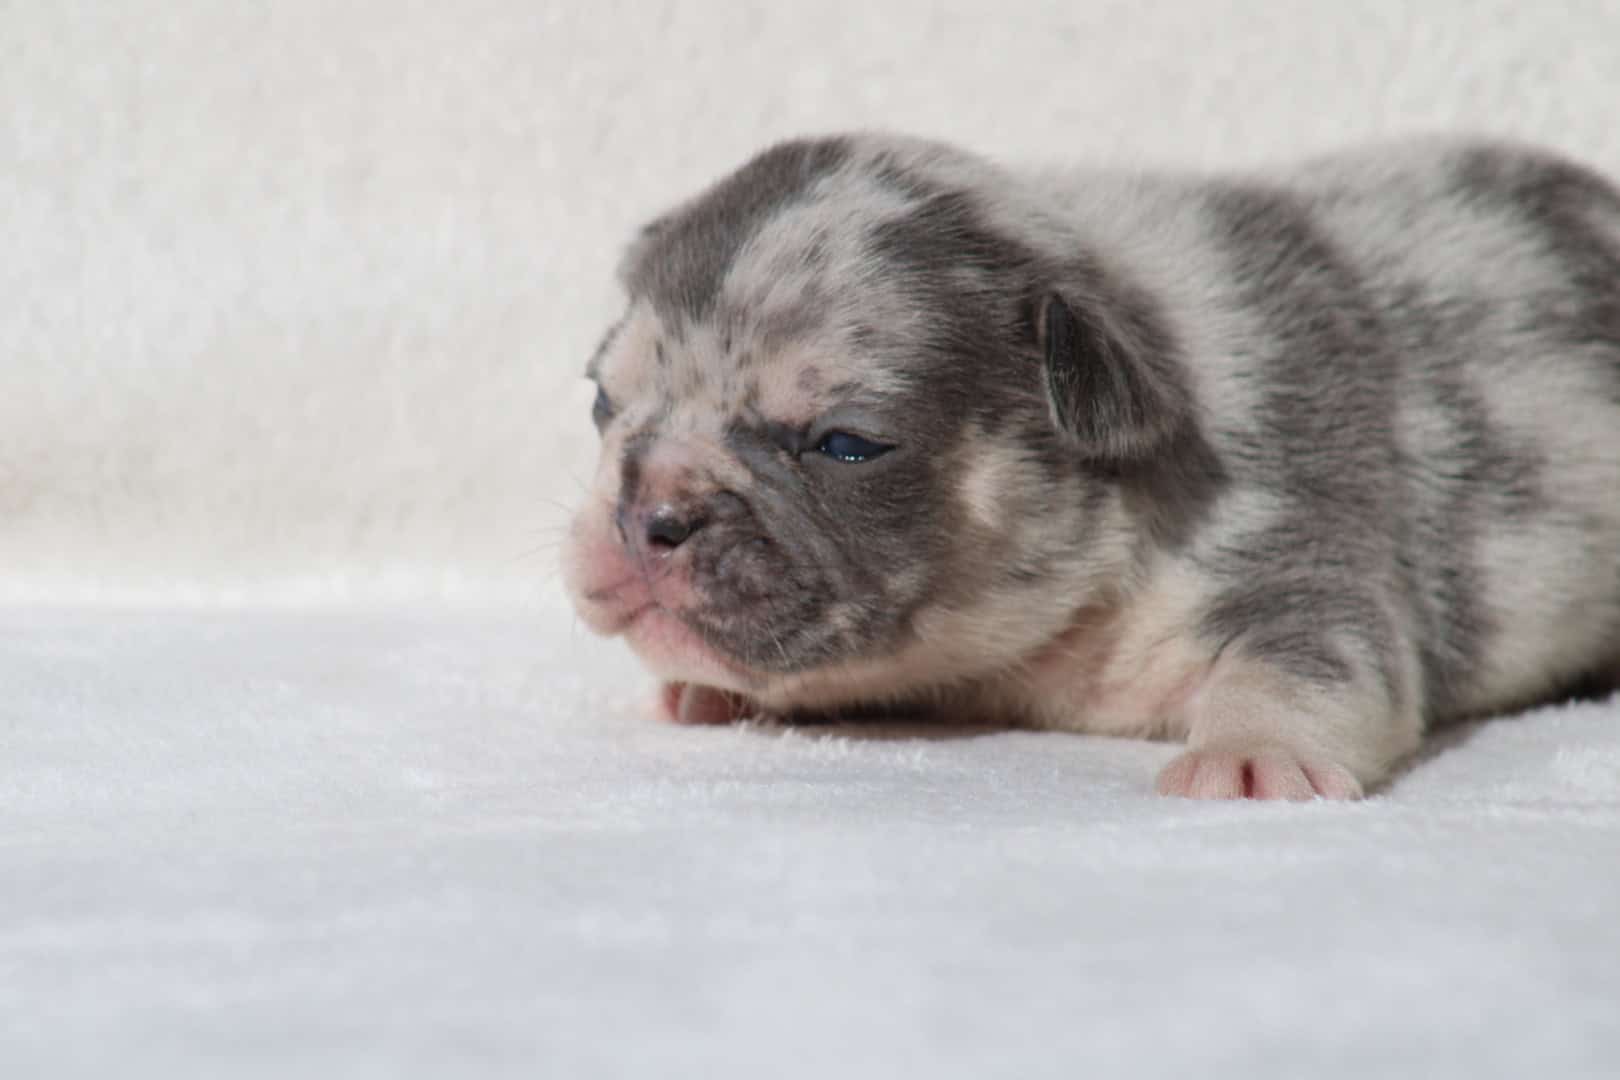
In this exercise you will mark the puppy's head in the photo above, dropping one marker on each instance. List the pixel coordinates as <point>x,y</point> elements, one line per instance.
<point>866,429</point>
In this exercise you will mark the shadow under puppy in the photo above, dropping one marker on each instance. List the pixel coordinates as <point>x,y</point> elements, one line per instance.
<point>1281,466</point>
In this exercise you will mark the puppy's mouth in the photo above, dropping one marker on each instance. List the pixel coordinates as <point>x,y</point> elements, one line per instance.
<point>681,630</point>
<point>675,646</point>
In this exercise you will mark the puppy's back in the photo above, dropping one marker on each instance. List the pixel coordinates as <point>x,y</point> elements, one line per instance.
<point>1493,272</point>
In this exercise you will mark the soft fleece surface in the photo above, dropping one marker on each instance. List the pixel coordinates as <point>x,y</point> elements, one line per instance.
<point>306,770</point>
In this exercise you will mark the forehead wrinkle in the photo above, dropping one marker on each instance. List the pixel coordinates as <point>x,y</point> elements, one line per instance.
<point>784,394</point>
<point>718,367</point>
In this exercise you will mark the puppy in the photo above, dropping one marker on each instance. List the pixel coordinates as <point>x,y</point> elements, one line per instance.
<point>1284,467</point>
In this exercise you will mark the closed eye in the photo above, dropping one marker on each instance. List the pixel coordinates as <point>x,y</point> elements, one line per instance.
<point>602,411</point>
<point>842,446</point>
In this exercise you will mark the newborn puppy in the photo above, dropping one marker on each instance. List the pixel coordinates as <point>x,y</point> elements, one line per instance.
<point>1282,466</point>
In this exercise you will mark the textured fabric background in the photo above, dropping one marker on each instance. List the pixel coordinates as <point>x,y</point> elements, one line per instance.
<point>375,844</point>
<point>294,300</point>
<point>295,297</point>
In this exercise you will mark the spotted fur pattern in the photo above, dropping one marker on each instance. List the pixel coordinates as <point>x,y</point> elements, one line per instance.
<point>1284,466</point>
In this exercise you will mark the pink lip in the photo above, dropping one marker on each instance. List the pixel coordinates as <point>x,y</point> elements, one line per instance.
<point>665,639</point>
<point>633,616</point>
<point>616,599</point>
<point>608,592</point>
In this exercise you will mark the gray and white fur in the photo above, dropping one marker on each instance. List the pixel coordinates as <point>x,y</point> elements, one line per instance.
<point>1286,466</point>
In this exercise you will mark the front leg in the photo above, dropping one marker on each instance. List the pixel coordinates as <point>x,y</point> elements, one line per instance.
<point>1255,729</point>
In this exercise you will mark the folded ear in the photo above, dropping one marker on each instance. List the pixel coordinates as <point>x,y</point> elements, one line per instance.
<point>1112,386</point>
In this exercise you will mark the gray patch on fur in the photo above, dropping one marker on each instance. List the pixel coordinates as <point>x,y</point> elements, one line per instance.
<point>1563,203</point>
<point>1458,485</point>
<point>682,259</point>
<point>1172,491</point>
<point>1322,443</point>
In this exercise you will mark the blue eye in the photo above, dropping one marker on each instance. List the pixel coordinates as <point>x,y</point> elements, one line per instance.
<point>843,446</point>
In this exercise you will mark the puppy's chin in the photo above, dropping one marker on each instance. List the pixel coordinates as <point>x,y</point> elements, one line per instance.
<point>675,652</point>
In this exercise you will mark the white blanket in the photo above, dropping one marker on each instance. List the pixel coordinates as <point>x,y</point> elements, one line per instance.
<point>304,767</point>
<point>384,844</point>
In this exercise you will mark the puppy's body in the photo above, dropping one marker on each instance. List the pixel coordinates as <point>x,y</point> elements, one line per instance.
<point>1283,467</point>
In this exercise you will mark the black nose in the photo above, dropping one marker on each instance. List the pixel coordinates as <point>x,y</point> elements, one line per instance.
<point>667,529</point>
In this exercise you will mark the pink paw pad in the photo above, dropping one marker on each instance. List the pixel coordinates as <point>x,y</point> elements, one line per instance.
<point>688,703</point>
<point>1261,773</point>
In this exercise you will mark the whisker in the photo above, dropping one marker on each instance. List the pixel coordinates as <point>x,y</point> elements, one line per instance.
<point>556,504</point>
<point>533,552</point>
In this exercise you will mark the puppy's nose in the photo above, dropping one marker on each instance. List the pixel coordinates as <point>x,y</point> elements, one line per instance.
<point>667,529</point>
<point>657,530</point>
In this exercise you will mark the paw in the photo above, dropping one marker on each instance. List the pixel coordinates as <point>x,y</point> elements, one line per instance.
<point>689,703</point>
<point>1261,772</point>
